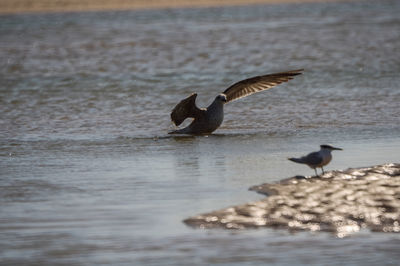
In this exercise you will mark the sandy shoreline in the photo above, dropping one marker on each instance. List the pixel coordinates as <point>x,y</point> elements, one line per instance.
<point>341,202</point>
<point>27,6</point>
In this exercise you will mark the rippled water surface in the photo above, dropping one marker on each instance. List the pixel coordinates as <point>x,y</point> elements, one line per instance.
<point>89,176</point>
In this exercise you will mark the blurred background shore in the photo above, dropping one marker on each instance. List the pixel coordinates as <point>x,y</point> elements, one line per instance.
<point>22,6</point>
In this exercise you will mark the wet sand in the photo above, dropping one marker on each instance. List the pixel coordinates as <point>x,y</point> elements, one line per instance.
<point>341,202</point>
<point>26,6</point>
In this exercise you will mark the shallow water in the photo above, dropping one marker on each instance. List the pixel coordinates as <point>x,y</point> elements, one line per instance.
<point>89,175</point>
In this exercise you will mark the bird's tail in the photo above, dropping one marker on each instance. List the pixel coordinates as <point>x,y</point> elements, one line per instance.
<point>180,131</point>
<point>296,160</point>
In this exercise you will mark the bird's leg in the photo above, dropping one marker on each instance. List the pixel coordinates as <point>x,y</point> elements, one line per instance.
<point>315,169</point>
<point>322,168</point>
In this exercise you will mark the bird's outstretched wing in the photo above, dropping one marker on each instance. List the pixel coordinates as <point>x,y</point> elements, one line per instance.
<point>184,109</point>
<point>256,84</point>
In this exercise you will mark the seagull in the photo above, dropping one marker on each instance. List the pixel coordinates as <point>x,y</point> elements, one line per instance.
<point>317,159</point>
<point>207,120</point>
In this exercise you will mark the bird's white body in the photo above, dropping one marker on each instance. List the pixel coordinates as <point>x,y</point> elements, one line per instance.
<point>215,113</point>
<point>326,157</point>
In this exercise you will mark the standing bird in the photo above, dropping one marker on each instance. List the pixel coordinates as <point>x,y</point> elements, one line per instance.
<point>206,120</point>
<point>317,159</point>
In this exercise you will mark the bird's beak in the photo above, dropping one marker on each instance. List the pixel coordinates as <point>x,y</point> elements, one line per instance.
<point>339,149</point>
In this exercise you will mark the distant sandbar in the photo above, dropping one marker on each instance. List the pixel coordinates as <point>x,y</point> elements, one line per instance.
<point>27,6</point>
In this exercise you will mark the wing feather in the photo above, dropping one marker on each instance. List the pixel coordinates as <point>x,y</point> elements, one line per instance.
<point>313,158</point>
<point>184,109</point>
<point>259,83</point>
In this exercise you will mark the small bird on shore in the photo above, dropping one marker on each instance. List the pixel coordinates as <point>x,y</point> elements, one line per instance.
<point>206,120</point>
<point>317,159</point>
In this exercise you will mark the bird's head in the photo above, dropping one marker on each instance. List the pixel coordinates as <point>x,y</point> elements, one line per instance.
<point>221,97</point>
<point>329,147</point>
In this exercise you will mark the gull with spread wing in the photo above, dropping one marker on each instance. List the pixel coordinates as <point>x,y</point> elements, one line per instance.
<point>206,120</point>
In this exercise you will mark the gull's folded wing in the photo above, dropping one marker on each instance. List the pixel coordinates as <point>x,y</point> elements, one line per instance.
<point>313,158</point>
<point>256,84</point>
<point>184,109</point>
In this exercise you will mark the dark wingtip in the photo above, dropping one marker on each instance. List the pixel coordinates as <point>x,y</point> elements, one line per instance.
<point>296,160</point>
<point>296,72</point>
